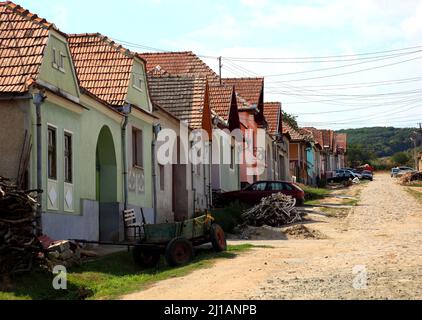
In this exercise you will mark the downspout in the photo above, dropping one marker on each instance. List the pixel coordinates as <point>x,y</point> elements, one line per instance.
<point>126,110</point>
<point>156,130</point>
<point>38,99</point>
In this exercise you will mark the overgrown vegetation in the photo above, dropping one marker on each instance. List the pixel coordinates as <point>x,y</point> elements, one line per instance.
<point>380,141</point>
<point>231,216</point>
<point>109,277</point>
<point>312,194</point>
<point>291,120</point>
<point>416,193</point>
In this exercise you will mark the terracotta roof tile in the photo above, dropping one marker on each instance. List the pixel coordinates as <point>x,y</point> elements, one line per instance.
<point>249,89</point>
<point>317,135</point>
<point>221,100</point>
<point>104,68</point>
<point>341,141</point>
<point>23,37</point>
<point>294,134</point>
<point>182,96</point>
<point>272,112</point>
<point>179,63</point>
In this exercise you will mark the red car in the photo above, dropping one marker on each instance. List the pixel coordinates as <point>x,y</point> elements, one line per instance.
<point>253,194</point>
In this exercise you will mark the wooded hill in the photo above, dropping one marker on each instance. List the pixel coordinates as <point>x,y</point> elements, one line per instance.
<point>381,141</point>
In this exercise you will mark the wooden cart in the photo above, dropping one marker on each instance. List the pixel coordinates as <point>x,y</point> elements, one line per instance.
<point>173,240</point>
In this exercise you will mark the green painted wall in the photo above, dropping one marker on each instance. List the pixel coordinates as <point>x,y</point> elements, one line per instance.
<point>136,197</point>
<point>65,80</point>
<point>86,129</point>
<point>136,96</point>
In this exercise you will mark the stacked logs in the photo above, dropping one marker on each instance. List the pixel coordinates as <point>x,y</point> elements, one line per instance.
<point>19,246</point>
<point>274,211</point>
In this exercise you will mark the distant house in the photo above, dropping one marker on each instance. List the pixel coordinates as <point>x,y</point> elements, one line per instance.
<point>313,156</point>
<point>297,154</point>
<point>226,168</point>
<point>277,158</point>
<point>419,161</point>
<point>340,140</point>
<point>250,94</point>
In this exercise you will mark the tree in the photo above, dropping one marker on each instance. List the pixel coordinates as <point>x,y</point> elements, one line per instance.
<point>358,155</point>
<point>401,159</point>
<point>291,120</point>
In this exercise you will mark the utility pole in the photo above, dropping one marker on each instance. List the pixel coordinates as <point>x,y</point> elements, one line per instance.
<point>220,66</point>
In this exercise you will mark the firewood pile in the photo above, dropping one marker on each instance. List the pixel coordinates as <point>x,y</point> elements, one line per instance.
<point>410,177</point>
<point>19,246</point>
<point>274,211</point>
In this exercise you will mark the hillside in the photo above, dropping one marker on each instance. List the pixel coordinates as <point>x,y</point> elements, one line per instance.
<point>382,141</point>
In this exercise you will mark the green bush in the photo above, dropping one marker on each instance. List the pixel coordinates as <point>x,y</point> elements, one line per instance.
<point>230,216</point>
<point>315,193</point>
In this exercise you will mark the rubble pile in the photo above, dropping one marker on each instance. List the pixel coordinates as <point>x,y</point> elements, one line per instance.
<point>64,253</point>
<point>19,246</point>
<point>274,211</point>
<point>410,177</point>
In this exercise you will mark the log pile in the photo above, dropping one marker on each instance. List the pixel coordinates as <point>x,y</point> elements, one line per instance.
<point>274,211</point>
<point>410,177</point>
<point>19,246</point>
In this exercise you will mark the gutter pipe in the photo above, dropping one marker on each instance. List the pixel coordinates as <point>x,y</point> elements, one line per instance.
<point>38,99</point>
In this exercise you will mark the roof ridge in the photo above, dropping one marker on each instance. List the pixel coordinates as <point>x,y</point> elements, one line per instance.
<point>166,52</point>
<point>244,78</point>
<point>107,40</point>
<point>25,13</point>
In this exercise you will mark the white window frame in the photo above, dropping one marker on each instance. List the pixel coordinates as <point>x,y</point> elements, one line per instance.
<point>68,132</point>
<point>50,125</point>
<point>137,78</point>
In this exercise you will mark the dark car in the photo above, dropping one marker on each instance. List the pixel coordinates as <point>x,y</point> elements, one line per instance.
<point>343,175</point>
<point>367,175</point>
<point>253,193</point>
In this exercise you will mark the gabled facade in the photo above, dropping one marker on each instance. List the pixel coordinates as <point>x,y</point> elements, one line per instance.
<point>186,98</point>
<point>117,76</point>
<point>250,96</point>
<point>57,125</point>
<point>225,167</point>
<point>278,144</point>
<point>297,154</point>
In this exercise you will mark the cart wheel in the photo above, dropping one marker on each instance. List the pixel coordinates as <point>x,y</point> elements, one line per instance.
<point>179,252</point>
<point>146,258</point>
<point>218,238</point>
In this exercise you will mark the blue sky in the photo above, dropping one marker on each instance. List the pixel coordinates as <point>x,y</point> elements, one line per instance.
<point>274,29</point>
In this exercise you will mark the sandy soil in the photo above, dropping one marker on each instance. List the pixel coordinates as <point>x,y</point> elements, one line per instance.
<point>372,253</point>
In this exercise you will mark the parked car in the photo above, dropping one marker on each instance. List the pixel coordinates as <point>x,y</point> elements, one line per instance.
<point>344,175</point>
<point>253,193</point>
<point>394,172</point>
<point>367,175</point>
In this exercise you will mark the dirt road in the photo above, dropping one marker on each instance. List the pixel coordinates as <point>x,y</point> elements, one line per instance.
<point>373,253</point>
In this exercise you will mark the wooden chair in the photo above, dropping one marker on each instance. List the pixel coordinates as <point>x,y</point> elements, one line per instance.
<point>130,223</point>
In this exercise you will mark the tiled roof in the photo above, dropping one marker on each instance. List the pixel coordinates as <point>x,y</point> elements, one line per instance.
<point>184,97</point>
<point>317,135</point>
<point>341,141</point>
<point>179,63</point>
<point>103,67</point>
<point>294,134</point>
<point>23,37</point>
<point>327,137</point>
<point>221,100</point>
<point>249,89</point>
<point>272,112</point>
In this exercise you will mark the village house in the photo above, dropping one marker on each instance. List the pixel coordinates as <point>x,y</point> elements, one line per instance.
<point>250,93</point>
<point>69,132</point>
<point>225,165</point>
<point>185,188</point>
<point>298,163</point>
<point>277,158</point>
<point>313,156</point>
<point>340,140</point>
